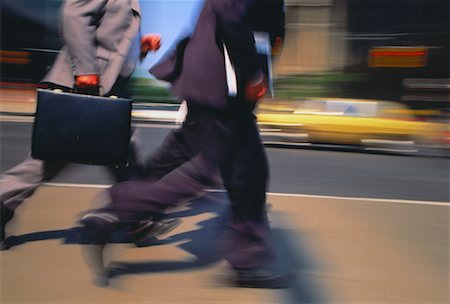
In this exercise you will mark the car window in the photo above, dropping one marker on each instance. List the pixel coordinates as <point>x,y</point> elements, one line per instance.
<point>360,109</point>
<point>311,107</point>
<point>339,108</point>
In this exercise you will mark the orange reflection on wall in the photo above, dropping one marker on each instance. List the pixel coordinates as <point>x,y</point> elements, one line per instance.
<point>14,57</point>
<point>398,57</point>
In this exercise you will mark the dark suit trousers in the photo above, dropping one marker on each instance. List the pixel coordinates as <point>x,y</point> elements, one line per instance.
<point>208,142</point>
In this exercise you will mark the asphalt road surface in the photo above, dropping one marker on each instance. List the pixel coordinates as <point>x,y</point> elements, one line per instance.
<point>301,171</point>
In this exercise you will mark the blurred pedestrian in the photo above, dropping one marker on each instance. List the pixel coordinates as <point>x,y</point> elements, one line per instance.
<point>219,134</point>
<point>97,35</point>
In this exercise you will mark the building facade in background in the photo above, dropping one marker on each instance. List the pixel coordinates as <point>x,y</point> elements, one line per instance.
<point>401,47</point>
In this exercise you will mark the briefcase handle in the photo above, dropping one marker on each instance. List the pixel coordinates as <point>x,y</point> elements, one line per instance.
<point>100,89</point>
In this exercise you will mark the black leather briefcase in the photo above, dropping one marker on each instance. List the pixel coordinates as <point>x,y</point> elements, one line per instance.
<point>81,128</point>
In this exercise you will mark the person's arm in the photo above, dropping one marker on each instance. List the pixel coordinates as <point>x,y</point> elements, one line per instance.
<point>79,23</point>
<point>238,37</point>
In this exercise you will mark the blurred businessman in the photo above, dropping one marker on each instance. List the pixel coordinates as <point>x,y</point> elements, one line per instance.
<point>102,47</point>
<point>218,73</point>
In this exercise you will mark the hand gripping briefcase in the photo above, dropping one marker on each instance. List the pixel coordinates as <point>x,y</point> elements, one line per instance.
<point>81,128</point>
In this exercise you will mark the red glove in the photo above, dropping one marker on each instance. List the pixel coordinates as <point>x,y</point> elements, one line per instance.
<point>87,84</point>
<point>256,89</point>
<point>84,81</point>
<point>150,42</point>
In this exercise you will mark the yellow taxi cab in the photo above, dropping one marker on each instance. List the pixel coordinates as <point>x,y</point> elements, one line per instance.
<point>372,124</point>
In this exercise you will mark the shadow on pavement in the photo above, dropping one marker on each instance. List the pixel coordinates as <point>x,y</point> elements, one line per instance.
<point>211,203</point>
<point>290,258</point>
<point>201,243</point>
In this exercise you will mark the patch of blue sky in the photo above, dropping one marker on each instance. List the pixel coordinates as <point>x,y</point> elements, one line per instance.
<point>172,19</point>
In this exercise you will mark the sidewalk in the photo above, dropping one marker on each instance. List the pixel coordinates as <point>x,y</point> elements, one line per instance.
<point>22,102</point>
<point>344,251</point>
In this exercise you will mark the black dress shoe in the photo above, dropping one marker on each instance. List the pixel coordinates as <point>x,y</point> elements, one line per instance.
<point>5,216</point>
<point>98,228</point>
<point>152,228</point>
<point>262,278</point>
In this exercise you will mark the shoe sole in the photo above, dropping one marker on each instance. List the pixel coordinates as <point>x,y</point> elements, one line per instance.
<point>276,282</point>
<point>164,226</point>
